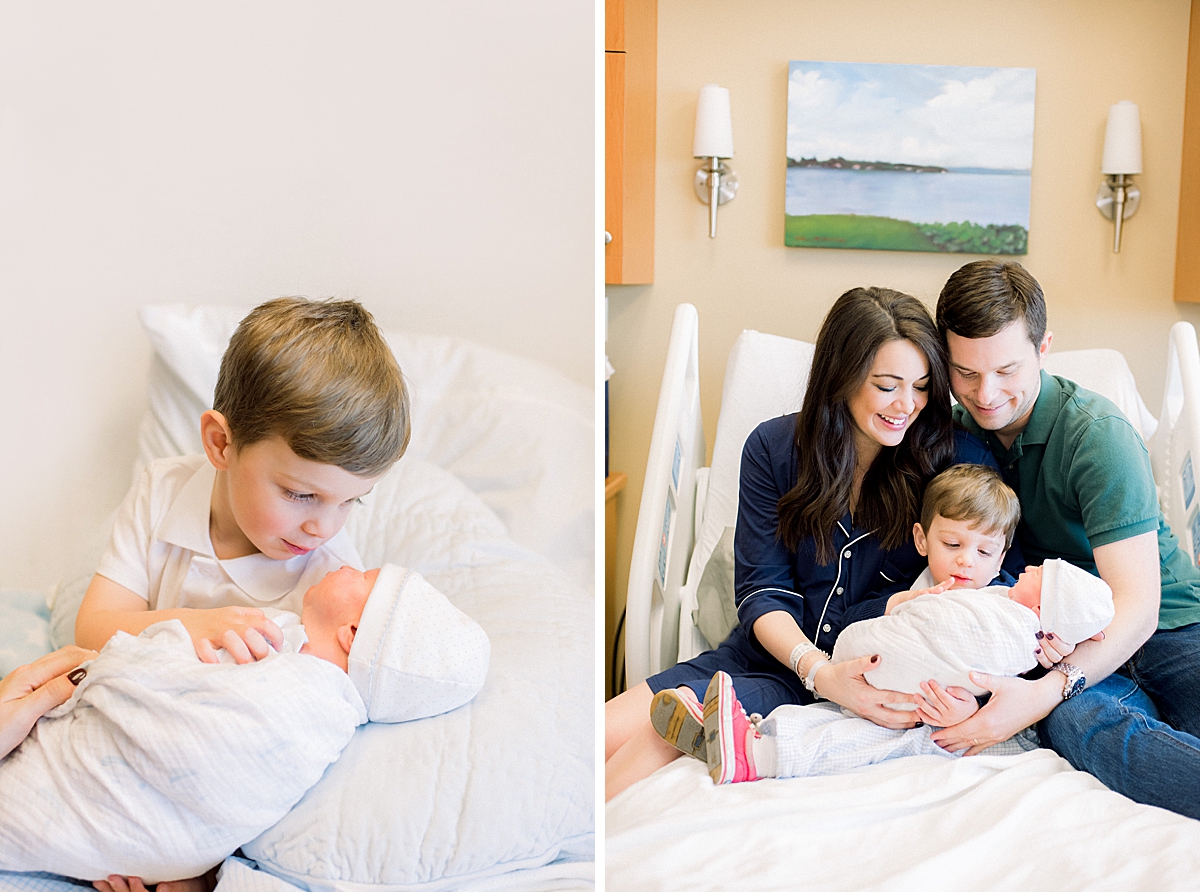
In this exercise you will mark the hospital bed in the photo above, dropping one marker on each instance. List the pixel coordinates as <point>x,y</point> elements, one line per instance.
<point>988,822</point>
<point>493,504</point>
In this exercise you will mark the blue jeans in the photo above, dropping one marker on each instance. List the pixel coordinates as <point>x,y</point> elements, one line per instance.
<point>1138,730</point>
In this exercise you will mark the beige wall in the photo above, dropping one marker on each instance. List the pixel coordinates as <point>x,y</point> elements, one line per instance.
<point>746,278</point>
<point>433,160</point>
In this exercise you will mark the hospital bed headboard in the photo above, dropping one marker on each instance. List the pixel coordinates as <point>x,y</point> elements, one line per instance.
<point>686,507</point>
<point>662,544</point>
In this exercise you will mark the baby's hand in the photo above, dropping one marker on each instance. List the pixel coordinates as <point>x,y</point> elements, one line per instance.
<point>117,883</point>
<point>243,631</point>
<point>944,707</point>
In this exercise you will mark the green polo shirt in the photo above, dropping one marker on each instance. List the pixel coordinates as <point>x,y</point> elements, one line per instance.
<point>1083,476</point>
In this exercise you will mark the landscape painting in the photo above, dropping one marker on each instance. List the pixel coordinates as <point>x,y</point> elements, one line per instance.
<point>909,157</point>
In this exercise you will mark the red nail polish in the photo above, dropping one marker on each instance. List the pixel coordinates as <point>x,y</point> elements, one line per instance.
<point>1038,651</point>
<point>75,676</point>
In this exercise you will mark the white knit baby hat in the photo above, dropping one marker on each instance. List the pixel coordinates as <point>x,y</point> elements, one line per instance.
<point>415,654</point>
<point>1075,604</point>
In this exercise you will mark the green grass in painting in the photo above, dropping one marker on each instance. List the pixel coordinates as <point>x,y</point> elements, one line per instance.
<point>888,234</point>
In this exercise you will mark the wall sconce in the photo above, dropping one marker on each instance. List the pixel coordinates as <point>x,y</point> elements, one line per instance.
<point>1117,197</point>
<point>715,183</point>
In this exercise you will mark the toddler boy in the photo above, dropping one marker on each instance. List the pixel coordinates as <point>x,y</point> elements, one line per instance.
<point>310,410</point>
<point>941,631</point>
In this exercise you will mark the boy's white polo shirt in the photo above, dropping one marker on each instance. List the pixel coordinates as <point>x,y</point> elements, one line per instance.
<point>161,550</point>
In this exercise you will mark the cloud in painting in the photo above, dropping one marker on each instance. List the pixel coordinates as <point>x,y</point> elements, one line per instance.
<point>950,116</point>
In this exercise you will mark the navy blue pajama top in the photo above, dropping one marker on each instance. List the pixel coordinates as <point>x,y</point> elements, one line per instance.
<point>823,599</point>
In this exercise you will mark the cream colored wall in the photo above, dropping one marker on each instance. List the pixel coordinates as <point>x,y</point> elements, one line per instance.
<point>433,160</point>
<point>746,278</point>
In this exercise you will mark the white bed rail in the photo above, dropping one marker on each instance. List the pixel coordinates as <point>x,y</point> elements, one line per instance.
<point>662,544</point>
<point>1175,449</point>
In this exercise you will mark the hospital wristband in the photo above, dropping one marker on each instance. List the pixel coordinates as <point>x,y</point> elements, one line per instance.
<point>810,683</point>
<point>798,653</point>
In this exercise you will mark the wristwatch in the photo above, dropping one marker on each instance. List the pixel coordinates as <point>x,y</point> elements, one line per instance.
<point>1075,679</point>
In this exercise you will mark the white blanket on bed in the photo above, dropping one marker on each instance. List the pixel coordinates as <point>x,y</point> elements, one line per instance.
<point>944,637</point>
<point>160,766</point>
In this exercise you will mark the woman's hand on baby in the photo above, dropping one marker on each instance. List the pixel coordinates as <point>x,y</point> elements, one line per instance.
<point>1051,648</point>
<point>900,597</point>
<point>945,706</point>
<point>29,692</point>
<point>243,631</point>
<point>844,684</point>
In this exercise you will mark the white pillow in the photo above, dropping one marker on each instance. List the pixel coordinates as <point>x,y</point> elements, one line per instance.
<point>765,377</point>
<point>516,431</point>
<point>503,783</point>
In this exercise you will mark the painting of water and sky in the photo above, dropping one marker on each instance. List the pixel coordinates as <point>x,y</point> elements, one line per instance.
<point>909,157</point>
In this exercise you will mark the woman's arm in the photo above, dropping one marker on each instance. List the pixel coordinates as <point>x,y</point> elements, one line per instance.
<point>843,683</point>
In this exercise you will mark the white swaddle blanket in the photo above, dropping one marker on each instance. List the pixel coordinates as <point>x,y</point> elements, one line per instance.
<point>159,766</point>
<point>944,637</point>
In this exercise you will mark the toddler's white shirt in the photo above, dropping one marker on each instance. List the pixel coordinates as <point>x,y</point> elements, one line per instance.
<point>161,550</point>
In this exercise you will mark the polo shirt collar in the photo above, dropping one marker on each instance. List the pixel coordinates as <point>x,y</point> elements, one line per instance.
<point>186,522</point>
<point>1045,412</point>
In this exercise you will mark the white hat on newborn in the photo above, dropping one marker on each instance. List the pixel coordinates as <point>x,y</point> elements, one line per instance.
<point>1075,604</point>
<point>415,654</point>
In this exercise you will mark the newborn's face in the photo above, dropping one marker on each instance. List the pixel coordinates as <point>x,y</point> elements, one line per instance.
<point>1028,590</point>
<point>331,606</point>
<point>340,591</point>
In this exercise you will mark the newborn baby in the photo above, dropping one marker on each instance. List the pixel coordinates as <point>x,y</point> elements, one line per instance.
<point>947,635</point>
<point>160,765</point>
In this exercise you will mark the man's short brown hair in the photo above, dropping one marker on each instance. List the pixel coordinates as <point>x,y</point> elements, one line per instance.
<point>984,296</point>
<point>974,494</point>
<point>320,375</point>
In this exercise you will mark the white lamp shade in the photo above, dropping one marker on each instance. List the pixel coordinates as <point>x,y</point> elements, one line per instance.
<point>714,127</point>
<point>1123,139</point>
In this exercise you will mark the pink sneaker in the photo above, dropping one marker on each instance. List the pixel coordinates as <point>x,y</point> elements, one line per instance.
<point>728,734</point>
<point>678,718</point>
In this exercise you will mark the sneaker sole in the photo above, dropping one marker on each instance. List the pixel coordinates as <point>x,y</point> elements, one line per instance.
<point>718,730</point>
<point>677,724</point>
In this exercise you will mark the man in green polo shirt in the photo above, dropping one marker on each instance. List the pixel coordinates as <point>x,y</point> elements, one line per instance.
<point>1125,708</point>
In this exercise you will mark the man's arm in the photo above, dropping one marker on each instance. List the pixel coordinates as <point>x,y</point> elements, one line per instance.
<point>1131,568</point>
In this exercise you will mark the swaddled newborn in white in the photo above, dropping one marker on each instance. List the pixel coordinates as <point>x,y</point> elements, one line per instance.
<point>159,766</point>
<point>991,630</point>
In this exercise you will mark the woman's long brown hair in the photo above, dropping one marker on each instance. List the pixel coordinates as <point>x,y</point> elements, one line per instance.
<point>889,502</point>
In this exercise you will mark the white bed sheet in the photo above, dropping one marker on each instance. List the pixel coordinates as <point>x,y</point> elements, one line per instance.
<point>981,823</point>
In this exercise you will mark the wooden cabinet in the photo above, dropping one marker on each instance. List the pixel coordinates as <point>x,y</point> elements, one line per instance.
<point>1187,250</point>
<point>630,85</point>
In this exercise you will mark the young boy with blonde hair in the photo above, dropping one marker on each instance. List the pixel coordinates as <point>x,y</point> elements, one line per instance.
<point>310,410</point>
<point>963,618</point>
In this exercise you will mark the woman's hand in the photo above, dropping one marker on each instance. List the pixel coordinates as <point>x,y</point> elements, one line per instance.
<point>1051,648</point>
<point>1015,704</point>
<point>844,684</point>
<point>29,692</point>
<point>946,706</point>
